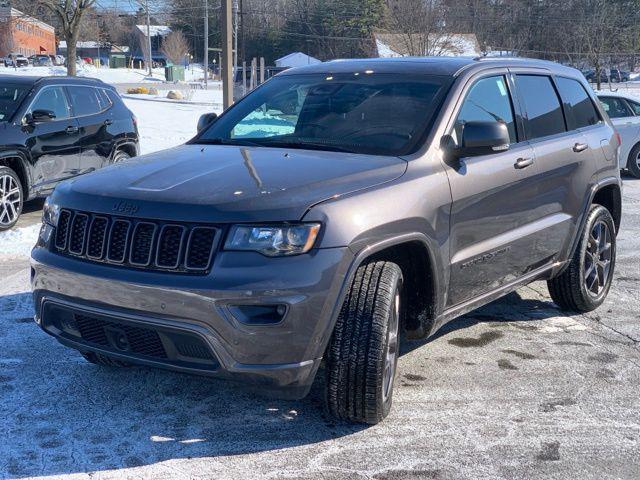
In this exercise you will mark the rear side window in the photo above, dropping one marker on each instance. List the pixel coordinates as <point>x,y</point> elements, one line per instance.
<point>615,107</point>
<point>103,99</point>
<point>578,105</point>
<point>488,100</point>
<point>542,106</point>
<point>84,101</point>
<point>635,106</point>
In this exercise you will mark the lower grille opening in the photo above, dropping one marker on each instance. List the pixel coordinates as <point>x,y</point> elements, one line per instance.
<point>125,338</point>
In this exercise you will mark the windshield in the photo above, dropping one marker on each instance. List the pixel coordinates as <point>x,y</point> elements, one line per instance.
<point>356,112</point>
<point>10,98</point>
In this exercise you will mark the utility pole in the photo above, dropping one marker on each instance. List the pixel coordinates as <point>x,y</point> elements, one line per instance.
<point>235,36</point>
<point>227,53</point>
<point>206,44</point>
<point>150,64</point>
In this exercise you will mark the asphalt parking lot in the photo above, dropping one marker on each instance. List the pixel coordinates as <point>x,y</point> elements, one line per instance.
<point>514,390</point>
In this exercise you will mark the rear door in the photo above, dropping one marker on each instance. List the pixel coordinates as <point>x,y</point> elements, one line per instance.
<point>94,121</point>
<point>564,157</point>
<point>491,214</point>
<point>55,144</point>
<point>627,124</point>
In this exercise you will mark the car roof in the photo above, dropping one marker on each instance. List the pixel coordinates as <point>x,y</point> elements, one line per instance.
<point>54,80</point>
<point>447,66</point>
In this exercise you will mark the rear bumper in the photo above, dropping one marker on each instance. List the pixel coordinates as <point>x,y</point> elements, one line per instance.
<point>190,320</point>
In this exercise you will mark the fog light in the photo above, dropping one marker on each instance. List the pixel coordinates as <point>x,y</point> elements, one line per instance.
<point>259,314</point>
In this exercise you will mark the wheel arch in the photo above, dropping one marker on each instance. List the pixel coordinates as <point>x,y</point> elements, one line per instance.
<point>610,197</point>
<point>128,147</point>
<point>415,257</point>
<point>15,161</point>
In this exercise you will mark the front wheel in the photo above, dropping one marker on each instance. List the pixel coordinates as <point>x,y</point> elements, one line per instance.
<point>363,352</point>
<point>11,198</point>
<point>585,283</point>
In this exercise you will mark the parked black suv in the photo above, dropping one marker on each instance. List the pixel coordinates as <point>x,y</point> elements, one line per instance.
<point>55,128</point>
<point>329,210</point>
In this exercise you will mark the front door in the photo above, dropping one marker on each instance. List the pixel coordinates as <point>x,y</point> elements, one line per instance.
<point>625,116</point>
<point>54,144</point>
<point>492,221</point>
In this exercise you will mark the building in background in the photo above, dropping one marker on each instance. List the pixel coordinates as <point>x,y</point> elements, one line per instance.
<point>20,33</point>
<point>296,59</point>
<point>157,33</point>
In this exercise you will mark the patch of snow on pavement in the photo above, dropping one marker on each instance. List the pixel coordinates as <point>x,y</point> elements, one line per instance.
<point>19,241</point>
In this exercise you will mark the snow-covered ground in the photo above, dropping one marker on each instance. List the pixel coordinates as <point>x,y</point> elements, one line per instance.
<point>108,75</point>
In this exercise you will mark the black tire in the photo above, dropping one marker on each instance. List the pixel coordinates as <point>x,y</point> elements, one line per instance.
<point>362,355</point>
<point>633,162</point>
<point>11,200</point>
<point>120,156</point>
<point>573,289</point>
<point>99,359</point>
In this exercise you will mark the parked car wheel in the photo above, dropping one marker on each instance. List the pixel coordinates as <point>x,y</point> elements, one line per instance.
<point>585,283</point>
<point>633,164</point>
<point>99,359</point>
<point>120,156</point>
<point>11,198</point>
<point>362,356</point>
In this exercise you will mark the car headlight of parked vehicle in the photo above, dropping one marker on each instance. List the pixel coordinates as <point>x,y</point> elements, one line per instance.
<point>273,240</point>
<point>50,212</point>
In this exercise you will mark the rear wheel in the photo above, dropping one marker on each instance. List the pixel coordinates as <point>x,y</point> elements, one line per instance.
<point>99,359</point>
<point>633,163</point>
<point>11,198</point>
<point>362,356</point>
<point>585,283</point>
<point>120,156</point>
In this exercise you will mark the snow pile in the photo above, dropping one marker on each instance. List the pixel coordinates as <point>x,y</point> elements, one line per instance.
<point>19,241</point>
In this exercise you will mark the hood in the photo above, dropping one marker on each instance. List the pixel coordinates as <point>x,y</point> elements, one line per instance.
<point>205,183</point>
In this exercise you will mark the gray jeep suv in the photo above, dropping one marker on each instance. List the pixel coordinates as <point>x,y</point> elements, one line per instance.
<point>333,209</point>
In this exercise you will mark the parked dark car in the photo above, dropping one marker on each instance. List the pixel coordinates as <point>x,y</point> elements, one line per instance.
<point>590,75</point>
<point>56,128</point>
<point>398,195</point>
<point>618,75</point>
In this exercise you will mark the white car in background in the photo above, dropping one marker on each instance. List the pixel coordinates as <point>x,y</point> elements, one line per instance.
<point>624,112</point>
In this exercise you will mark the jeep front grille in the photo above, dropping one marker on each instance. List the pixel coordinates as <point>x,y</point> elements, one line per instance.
<point>136,243</point>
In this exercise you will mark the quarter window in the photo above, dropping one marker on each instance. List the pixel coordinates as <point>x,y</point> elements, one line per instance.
<point>615,107</point>
<point>488,100</point>
<point>84,101</point>
<point>54,100</point>
<point>635,106</point>
<point>541,103</point>
<point>578,104</point>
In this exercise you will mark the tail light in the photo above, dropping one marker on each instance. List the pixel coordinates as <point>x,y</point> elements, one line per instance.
<point>618,138</point>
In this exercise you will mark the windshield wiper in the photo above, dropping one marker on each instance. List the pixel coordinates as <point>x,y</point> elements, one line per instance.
<point>307,146</point>
<point>226,141</point>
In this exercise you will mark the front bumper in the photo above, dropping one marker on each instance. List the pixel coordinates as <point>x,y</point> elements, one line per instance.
<point>183,313</point>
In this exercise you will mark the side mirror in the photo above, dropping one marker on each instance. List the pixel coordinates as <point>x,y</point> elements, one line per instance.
<point>206,120</point>
<point>482,138</point>
<point>38,116</point>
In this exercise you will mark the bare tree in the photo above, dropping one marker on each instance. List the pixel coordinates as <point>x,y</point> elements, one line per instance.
<point>420,26</point>
<point>175,47</point>
<point>70,14</point>
<point>6,38</point>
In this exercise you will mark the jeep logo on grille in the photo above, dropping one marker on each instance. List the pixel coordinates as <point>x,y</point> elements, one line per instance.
<point>126,208</point>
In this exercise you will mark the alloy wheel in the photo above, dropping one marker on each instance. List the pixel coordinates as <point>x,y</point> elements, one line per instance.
<point>391,356</point>
<point>10,200</point>
<point>597,264</point>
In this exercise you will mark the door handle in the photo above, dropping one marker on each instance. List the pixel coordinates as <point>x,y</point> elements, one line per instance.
<point>523,163</point>
<point>108,121</point>
<point>71,130</point>
<point>580,147</point>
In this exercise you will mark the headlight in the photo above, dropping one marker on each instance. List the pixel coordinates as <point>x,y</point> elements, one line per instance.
<point>50,212</point>
<point>273,241</point>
